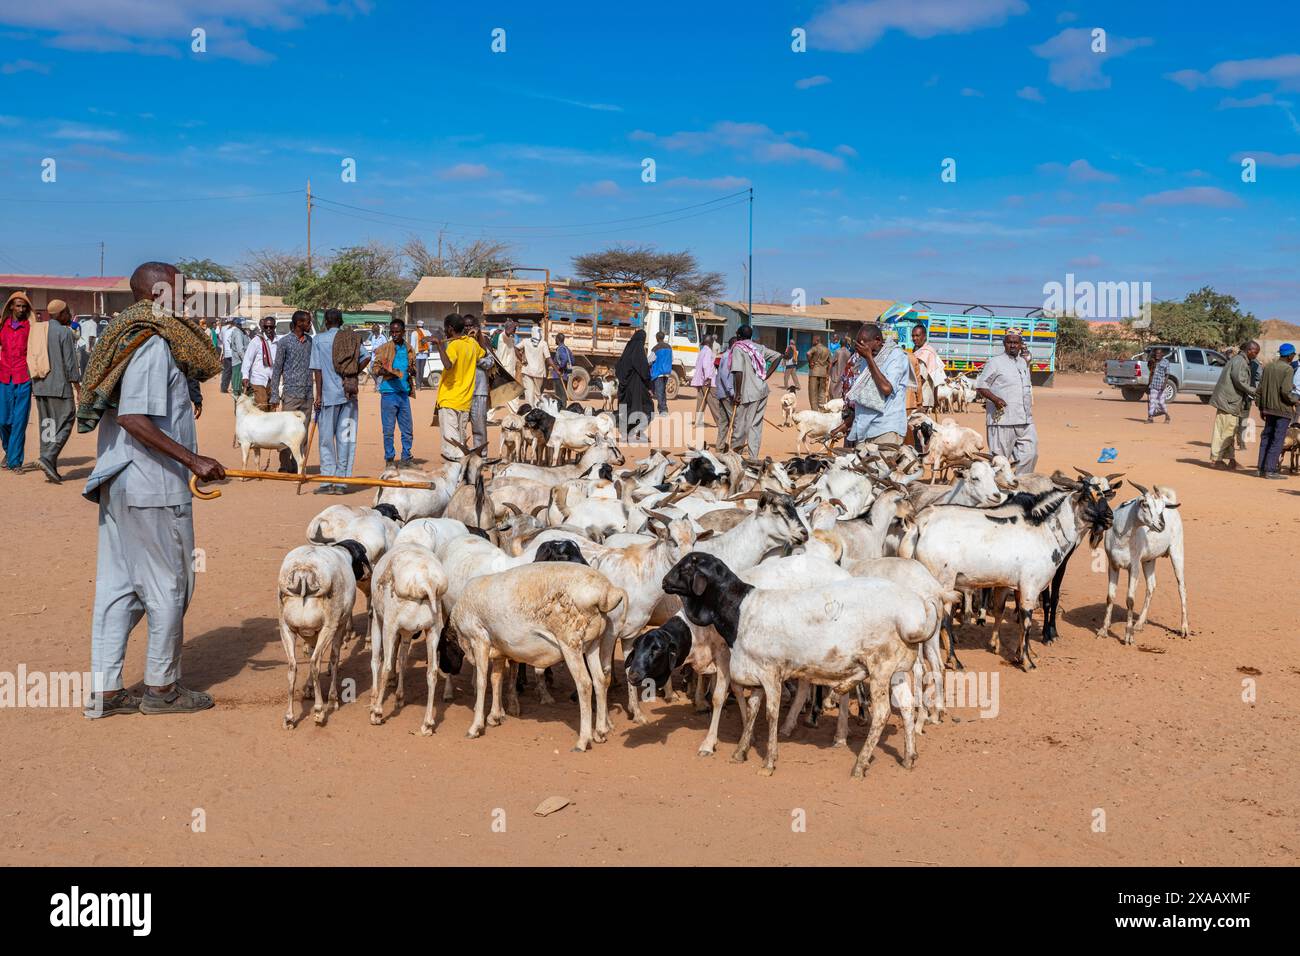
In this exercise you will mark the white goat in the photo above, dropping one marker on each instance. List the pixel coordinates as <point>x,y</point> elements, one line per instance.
<point>256,429</point>
<point>1145,530</point>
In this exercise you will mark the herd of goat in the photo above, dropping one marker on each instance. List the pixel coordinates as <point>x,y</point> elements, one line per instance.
<point>829,573</point>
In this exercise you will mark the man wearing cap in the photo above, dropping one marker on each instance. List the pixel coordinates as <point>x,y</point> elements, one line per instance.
<point>1277,405</point>
<point>15,379</point>
<point>58,390</point>
<point>537,359</point>
<point>1005,386</point>
<point>1231,400</point>
<point>136,392</point>
<point>259,362</point>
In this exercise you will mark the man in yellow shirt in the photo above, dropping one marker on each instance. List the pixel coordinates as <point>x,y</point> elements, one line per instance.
<point>460,354</point>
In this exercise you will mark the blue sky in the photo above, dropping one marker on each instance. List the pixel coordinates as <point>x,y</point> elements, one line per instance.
<point>1116,166</point>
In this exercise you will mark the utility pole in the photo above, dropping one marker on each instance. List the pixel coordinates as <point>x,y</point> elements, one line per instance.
<point>440,231</point>
<point>750,270</point>
<point>309,225</point>
<point>101,258</point>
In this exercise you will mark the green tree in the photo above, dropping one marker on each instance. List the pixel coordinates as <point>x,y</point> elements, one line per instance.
<point>205,269</point>
<point>1222,313</point>
<point>677,271</point>
<point>342,286</point>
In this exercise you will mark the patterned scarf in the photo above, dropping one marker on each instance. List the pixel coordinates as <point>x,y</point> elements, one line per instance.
<point>755,356</point>
<point>193,353</point>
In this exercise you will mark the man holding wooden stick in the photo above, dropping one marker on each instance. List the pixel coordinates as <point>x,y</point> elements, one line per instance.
<point>136,390</point>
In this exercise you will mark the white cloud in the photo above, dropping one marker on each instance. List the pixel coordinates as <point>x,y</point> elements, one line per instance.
<point>1079,171</point>
<point>464,172</point>
<point>1030,93</point>
<point>1211,196</point>
<point>857,25</point>
<point>1073,64</point>
<point>1264,158</point>
<point>162,27</point>
<point>602,188</point>
<point>720,183</point>
<point>1247,103</point>
<point>971,91</point>
<point>1283,69</point>
<point>91,134</point>
<point>808,82</point>
<point>23,66</point>
<point>754,140</point>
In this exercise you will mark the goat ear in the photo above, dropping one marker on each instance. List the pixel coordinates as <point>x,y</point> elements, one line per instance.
<point>1114,488</point>
<point>706,535</point>
<point>698,584</point>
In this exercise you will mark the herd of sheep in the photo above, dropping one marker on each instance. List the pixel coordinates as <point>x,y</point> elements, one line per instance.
<point>762,580</point>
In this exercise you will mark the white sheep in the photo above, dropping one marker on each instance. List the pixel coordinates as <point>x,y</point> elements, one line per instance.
<point>539,615</point>
<point>317,588</point>
<point>407,586</point>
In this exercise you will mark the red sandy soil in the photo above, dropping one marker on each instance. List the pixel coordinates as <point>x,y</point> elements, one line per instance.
<point>1157,736</point>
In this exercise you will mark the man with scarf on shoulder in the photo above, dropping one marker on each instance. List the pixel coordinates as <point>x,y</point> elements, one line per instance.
<point>751,365</point>
<point>259,362</point>
<point>136,391</point>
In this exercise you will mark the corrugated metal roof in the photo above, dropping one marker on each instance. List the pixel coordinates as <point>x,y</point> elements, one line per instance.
<point>70,283</point>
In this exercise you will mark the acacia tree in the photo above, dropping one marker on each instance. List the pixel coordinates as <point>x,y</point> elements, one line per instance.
<point>677,271</point>
<point>273,270</point>
<point>206,269</point>
<point>474,258</point>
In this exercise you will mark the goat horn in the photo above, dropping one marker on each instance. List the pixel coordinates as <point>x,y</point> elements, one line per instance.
<point>458,445</point>
<point>1140,488</point>
<point>1086,474</point>
<point>513,508</point>
<point>1115,477</point>
<point>750,495</point>
<point>538,510</point>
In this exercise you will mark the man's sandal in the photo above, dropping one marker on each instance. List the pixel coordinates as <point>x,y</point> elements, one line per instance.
<point>112,702</point>
<point>178,700</point>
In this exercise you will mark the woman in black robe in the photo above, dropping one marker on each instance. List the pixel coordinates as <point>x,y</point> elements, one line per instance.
<point>634,398</point>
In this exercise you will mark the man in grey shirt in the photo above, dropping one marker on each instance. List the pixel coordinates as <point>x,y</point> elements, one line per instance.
<point>56,394</point>
<point>1004,385</point>
<point>147,450</point>
<point>336,414</point>
<point>293,371</point>
<point>747,357</point>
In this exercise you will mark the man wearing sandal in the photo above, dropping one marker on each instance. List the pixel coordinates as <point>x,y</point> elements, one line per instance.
<point>137,390</point>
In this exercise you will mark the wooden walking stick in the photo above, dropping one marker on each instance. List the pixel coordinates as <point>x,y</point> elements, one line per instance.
<point>299,479</point>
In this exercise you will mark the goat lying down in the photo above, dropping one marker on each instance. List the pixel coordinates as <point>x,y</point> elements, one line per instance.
<point>837,634</point>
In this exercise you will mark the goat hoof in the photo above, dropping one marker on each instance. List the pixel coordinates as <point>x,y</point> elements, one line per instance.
<point>426,730</point>
<point>474,732</point>
<point>494,721</point>
<point>740,756</point>
<point>1050,638</point>
<point>376,719</point>
<point>702,752</point>
<point>287,723</point>
<point>766,771</point>
<point>840,743</point>
<point>909,762</point>
<point>580,749</point>
<point>1102,632</point>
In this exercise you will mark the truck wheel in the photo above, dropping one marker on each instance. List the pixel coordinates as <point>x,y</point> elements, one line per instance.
<point>671,386</point>
<point>433,379</point>
<point>579,380</point>
<point>1171,390</point>
<point>1132,394</point>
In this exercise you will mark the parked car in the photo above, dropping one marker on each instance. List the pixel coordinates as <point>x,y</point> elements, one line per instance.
<point>1192,369</point>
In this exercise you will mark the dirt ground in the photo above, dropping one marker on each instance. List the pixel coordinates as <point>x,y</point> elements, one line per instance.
<point>1105,755</point>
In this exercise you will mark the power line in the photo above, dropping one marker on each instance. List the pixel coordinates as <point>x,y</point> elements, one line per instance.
<point>142,202</point>
<point>493,226</point>
<point>573,235</point>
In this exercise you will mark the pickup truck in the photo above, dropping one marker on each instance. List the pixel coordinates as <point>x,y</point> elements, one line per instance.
<point>1192,369</point>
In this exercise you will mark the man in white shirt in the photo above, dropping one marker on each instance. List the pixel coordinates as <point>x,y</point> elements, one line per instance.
<point>259,360</point>
<point>537,358</point>
<point>227,360</point>
<point>1004,385</point>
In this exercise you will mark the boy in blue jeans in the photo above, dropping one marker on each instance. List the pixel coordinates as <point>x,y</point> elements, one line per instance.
<point>393,367</point>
